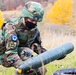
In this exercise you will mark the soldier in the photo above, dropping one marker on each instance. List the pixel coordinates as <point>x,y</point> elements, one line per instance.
<point>21,37</point>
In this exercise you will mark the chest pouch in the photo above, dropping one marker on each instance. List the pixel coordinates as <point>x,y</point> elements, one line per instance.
<point>23,36</point>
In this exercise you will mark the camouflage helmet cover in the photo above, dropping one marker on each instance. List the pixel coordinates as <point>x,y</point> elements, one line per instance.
<point>33,10</point>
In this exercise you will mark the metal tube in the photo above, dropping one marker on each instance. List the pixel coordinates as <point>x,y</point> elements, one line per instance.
<point>47,57</point>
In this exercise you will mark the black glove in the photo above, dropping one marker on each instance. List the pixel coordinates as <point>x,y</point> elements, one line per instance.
<point>38,48</point>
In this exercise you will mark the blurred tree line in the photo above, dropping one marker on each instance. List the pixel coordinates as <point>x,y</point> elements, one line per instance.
<point>60,12</point>
<point>13,4</point>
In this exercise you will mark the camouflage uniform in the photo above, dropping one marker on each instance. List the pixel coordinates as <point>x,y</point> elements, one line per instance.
<point>19,41</point>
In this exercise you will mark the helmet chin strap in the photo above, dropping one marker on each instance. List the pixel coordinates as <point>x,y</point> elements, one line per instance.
<point>23,21</point>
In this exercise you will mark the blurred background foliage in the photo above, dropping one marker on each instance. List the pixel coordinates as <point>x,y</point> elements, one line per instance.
<point>60,12</point>
<point>1,19</point>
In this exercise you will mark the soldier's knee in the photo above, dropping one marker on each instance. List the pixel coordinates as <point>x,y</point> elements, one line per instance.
<point>26,53</point>
<point>11,59</point>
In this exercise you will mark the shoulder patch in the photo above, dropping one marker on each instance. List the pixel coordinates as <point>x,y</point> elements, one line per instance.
<point>14,38</point>
<point>38,34</point>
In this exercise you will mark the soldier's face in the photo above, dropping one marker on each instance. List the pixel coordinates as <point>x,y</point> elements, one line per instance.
<point>31,20</point>
<point>30,23</point>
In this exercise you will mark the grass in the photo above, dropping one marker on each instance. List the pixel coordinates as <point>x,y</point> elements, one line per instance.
<point>7,71</point>
<point>61,64</point>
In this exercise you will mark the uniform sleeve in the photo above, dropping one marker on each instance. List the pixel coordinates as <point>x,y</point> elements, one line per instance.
<point>36,46</point>
<point>10,37</point>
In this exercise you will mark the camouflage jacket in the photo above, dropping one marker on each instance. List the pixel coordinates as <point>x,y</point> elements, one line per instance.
<point>16,35</point>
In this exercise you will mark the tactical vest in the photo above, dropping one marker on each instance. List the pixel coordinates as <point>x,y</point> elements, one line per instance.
<point>27,38</point>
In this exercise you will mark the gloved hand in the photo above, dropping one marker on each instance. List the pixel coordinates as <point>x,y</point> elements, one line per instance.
<point>38,48</point>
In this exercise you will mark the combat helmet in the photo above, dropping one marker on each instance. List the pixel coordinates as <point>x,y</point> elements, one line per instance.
<point>33,10</point>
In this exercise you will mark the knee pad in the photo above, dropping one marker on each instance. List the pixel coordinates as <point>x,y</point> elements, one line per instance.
<point>26,53</point>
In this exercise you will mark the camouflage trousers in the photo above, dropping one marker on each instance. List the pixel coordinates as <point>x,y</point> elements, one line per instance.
<point>15,59</point>
<point>12,57</point>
